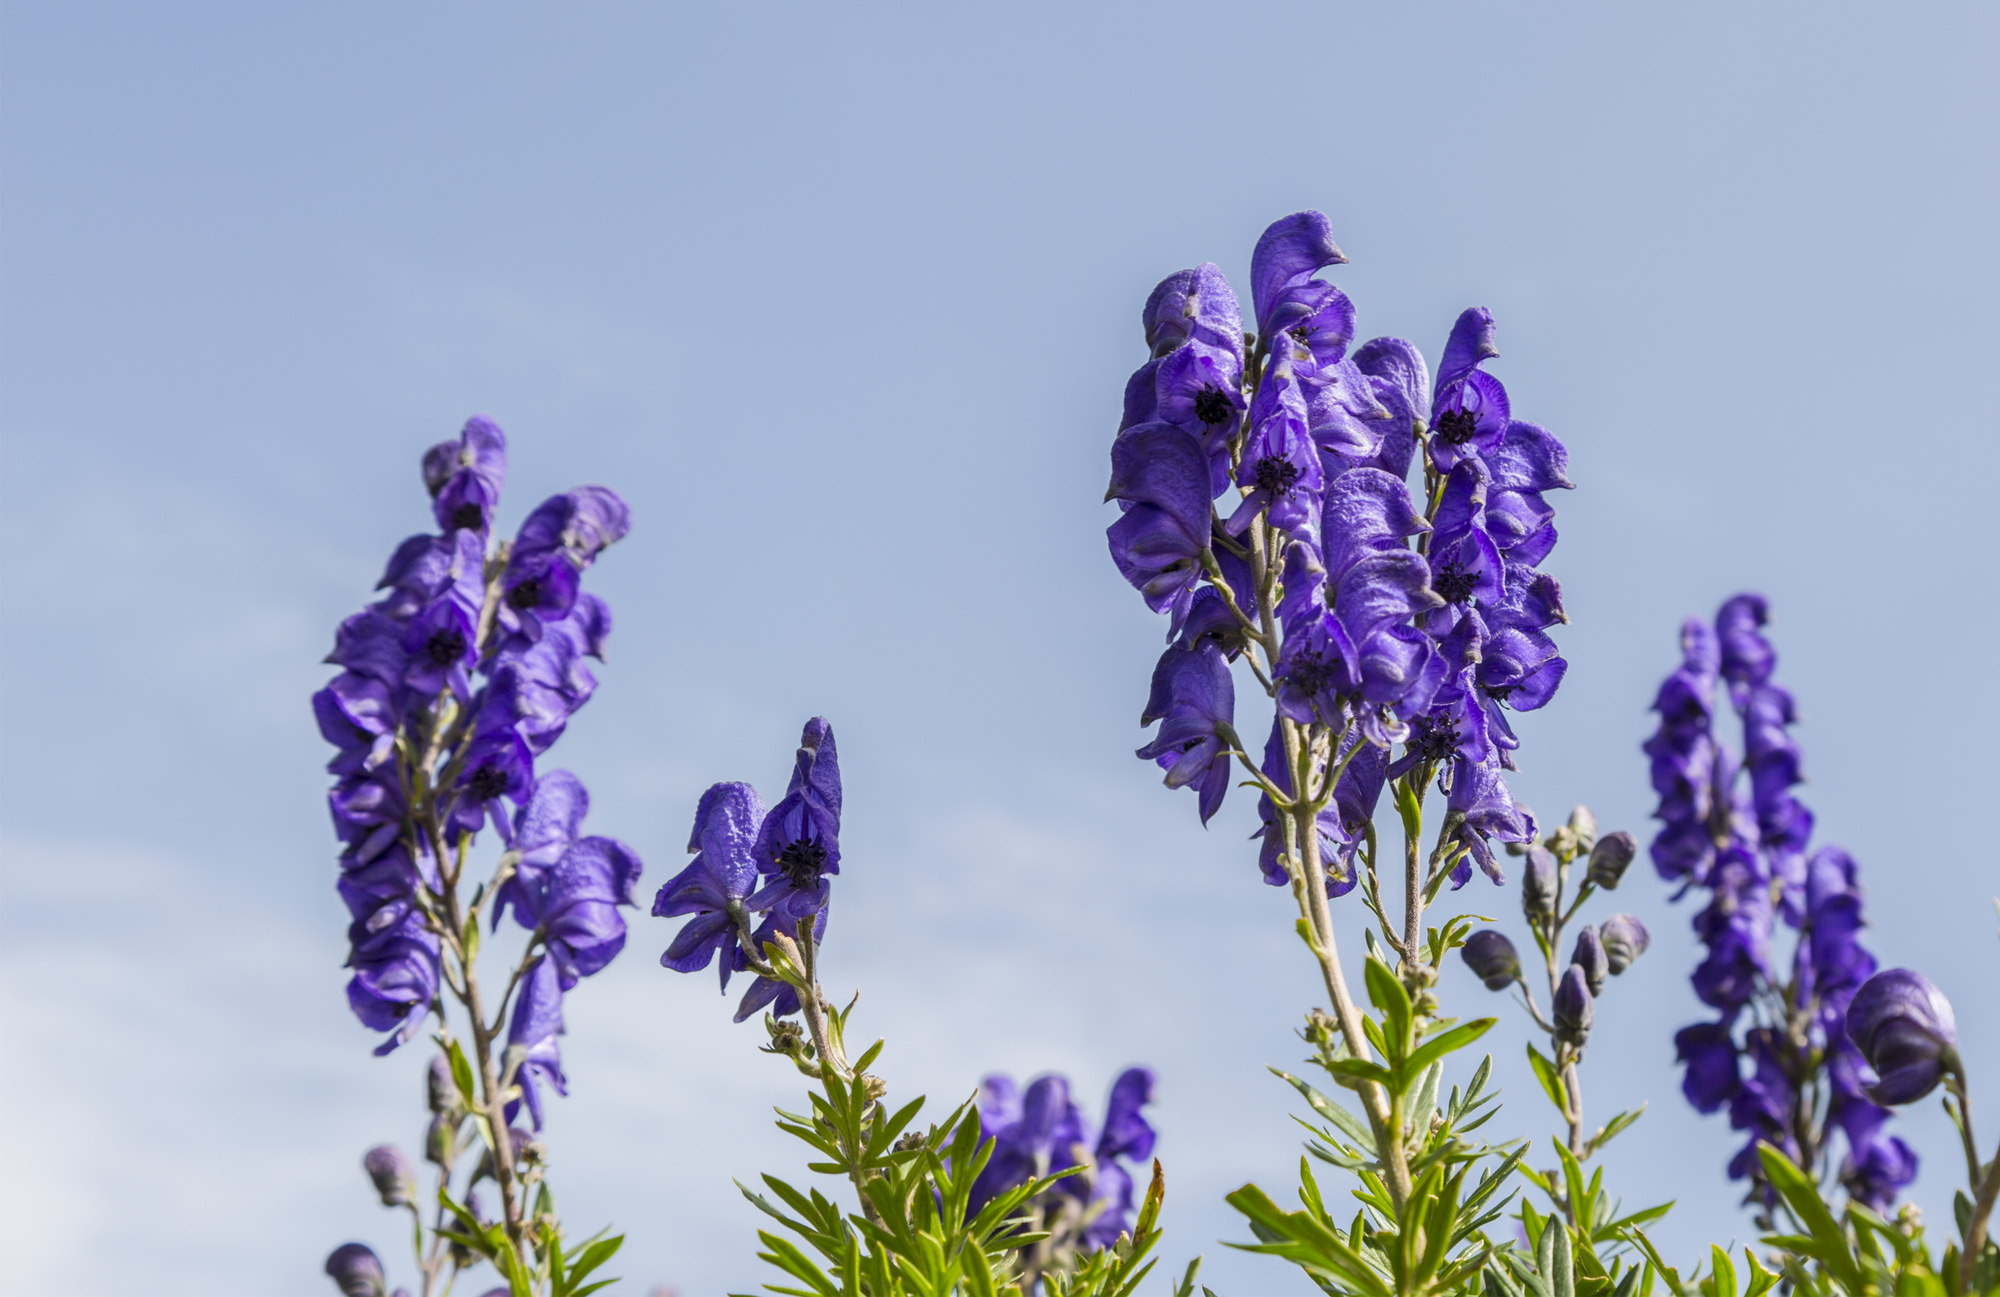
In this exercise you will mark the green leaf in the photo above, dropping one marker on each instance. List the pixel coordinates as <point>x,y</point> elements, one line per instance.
<point>1562,1279</point>
<point>1393,1003</point>
<point>1350,1125</point>
<point>1545,1072</point>
<point>461,1073</point>
<point>1802,1196</point>
<point>1761,1280</point>
<point>1723,1273</point>
<point>1360,1071</point>
<point>1457,1038</point>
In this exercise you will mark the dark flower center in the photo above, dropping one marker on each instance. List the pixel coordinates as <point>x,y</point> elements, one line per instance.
<point>1453,583</point>
<point>1212,404</point>
<point>1312,672</point>
<point>467,517</point>
<point>1457,426</point>
<point>486,783</point>
<point>445,647</point>
<point>1303,332</point>
<point>1434,736</point>
<point>525,595</point>
<point>802,862</point>
<point>1499,693</point>
<point>1276,476</point>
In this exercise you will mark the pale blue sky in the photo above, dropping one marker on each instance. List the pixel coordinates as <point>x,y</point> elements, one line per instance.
<point>842,300</point>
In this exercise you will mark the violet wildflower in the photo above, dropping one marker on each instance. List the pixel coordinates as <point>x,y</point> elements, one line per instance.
<point>1126,1135</point>
<point>1469,411</point>
<point>1482,809</point>
<point>1288,299</point>
<point>1159,544</point>
<point>1042,1131</point>
<point>580,921</point>
<point>545,827</point>
<point>798,843</point>
<point>1195,700</point>
<point>1492,959</point>
<point>1709,1053</point>
<point>531,1038</point>
<point>1905,1028</point>
<point>716,883</point>
<point>1281,464</point>
<point>1538,886</point>
<point>392,1173</point>
<point>465,476</point>
<point>766,992</point>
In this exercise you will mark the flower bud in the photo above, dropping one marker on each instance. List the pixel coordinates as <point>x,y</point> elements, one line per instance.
<point>1538,886</point>
<point>441,1140</point>
<point>1591,957</point>
<point>1491,958</point>
<point>1574,1009</point>
<point>1625,939</point>
<point>1583,827</point>
<point>357,1271</point>
<point>1904,1027</point>
<point>1610,858</point>
<point>440,1088</point>
<point>395,1176</point>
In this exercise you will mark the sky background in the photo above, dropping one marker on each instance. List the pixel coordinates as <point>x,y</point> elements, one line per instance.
<point>842,300</point>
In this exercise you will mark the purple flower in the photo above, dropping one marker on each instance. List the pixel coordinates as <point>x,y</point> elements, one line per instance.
<point>1610,858</point>
<point>357,714</point>
<point>1194,700</point>
<point>1341,825</point>
<point>1401,382</point>
<point>1736,927</point>
<point>1161,474</point>
<point>357,1271</point>
<point>439,642</point>
<point>465,476</point>
<point>536,1023</point>
<point>714,885</point>
<point>1492,959</point>
<point>395,977</point>
<point>1483,809</point>
<point>580,919</point>
<point>1193,305</point>
<point>1281,463</point>
<point>577,524</point>
<point>1469,411</point>
<point>1904,1027</point>
<point>1126,1135</point>
<point>1043,1135</point>
<point>496,764</point>
<point>1289,301</point>
<point>1199,388</point>
<point>545,828</point>
<point>798,843</point>
<point>1709,1053</point>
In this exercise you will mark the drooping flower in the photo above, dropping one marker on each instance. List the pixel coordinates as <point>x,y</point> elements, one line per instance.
<point>580,921</point>
<point>1158,544</point>
<point>1483,809</point>
<point>1289,300</point>
<point>716,883</point>
<point>545,828</point>
<point>1709,1053</point>
<point>1469,409</point>
<point>1281,462</point>
<point>392,1173</point>
<point>1904,1027</point>
<point>1194,700</point>
<point>1126,1136</point>
<point>465,476</point>
<point>1341,825</point>
<point>533,1029</point>
<point>395,977</point>
<point>798,843</point>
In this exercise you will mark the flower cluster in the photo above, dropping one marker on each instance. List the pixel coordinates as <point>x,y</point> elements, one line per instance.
<point>1378,623</point>
<point>1777,1055</point>
<point>748,861</point>
<point>1041,1131</point>
<point>453,684</point>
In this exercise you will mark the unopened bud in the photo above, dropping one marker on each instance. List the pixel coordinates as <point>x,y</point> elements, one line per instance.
<point>1492,959</point>
<point>441,1140</point>
<point>393,1173</point>
<point>1625,939</point>
<point>357,1271</point>
<point>1590,956</point>
<point>1610,858</point>
<point>873,1086</point>
<point>440,1089</point>
<point>1538,886</point>
<point>1583,827</point>
<point>1574,1009</point>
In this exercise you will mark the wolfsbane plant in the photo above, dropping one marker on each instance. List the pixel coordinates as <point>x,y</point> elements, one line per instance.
<point>454,685</point>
